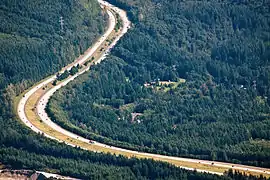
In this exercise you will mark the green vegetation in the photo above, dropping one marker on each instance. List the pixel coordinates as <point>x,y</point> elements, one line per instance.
<point>74,70</point>
<point>63,76</point>
<point>119,23</point>
<point>222,110</point>
<point>41,154</point>
<point>66,73</point>
<point>32,47</point>
<point>32,42</point>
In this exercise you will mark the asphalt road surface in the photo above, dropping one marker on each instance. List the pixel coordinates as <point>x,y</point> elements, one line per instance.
<point>44,100</point>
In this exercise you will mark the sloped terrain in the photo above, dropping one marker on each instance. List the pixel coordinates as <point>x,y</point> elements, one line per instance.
<point>221,112</point>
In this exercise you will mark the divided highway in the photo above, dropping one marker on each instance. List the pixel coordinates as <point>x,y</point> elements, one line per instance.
<point>43,98</point>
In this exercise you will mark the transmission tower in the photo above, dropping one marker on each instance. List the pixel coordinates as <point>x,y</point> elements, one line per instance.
<point>62,23</point>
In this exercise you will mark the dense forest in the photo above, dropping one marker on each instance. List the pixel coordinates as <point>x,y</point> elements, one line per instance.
<point>38,153</point>
<point>191,78</point>
<point>32,47</point>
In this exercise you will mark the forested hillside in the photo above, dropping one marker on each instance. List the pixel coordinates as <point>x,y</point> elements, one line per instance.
<point>191,78</point>
<point>34,45</point>
<point>38,153</point>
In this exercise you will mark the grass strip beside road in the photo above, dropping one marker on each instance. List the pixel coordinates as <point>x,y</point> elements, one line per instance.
<point>34,119</point>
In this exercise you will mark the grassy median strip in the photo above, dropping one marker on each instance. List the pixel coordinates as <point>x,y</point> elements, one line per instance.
<point>35,120</point>
<point>33,117</point>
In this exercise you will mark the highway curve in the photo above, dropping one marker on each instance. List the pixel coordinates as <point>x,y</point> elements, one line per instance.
<point>31,110</point>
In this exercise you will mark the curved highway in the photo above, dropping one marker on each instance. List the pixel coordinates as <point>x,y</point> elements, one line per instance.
<point>43,100</point>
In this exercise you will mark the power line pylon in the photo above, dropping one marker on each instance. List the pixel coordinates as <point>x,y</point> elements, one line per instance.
<point>62,23</point>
